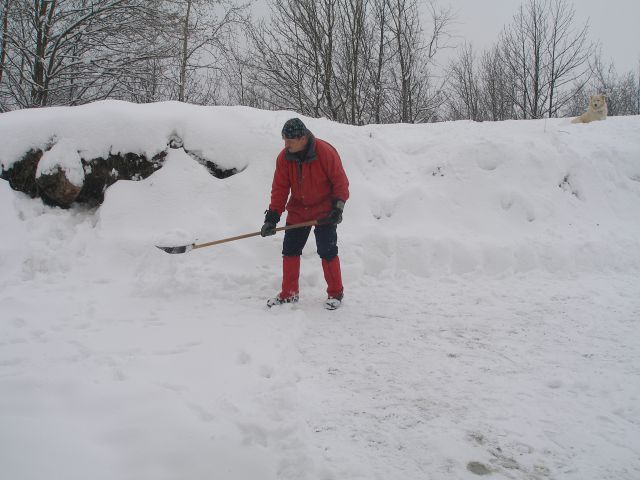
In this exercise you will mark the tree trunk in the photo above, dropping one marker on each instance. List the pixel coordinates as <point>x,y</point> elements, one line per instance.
<point>184,59</point>
<point>377,103</point>
<point>5,36</point>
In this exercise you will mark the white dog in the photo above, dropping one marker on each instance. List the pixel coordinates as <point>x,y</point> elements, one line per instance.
<point>597,110</point>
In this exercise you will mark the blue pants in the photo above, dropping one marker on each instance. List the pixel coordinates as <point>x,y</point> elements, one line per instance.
<point>326,241</point>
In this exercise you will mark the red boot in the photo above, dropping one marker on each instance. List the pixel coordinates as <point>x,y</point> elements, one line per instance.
<point>333,277</point>
<point>290,275</point>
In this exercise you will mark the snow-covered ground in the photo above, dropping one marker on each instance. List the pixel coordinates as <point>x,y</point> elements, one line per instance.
<point>491,322</point>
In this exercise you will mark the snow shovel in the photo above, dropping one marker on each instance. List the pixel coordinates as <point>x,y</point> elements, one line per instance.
<point>193,246</point>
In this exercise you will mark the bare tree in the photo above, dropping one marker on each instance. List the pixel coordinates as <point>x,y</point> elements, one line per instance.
<point>4,18</point>
<point>294,56</point>
<point>464,86</point>
<point>522,50</point>
<point>637,111</point>
<point>627,95</point>
<point>382,54</point>
<point>416,99</point>
<point>404,25</point>
<point>542,53</point>
<point>568,52</point>
<point>242,85</point>
<point>349,60</point>
<point>280,70</point>
<point>496,86</point>
<point>429,90</point>
<point>70,51</point>
<point>621,91</point>
<point>146,83</point>
<point>199,34</point>
<point>353,59</point>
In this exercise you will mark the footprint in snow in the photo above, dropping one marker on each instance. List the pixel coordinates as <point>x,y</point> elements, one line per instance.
<point>18,322</point>
<point>266,371</point>
<point>478,468</point>
<point>254,434</point>
<point>202,413</point>
<point>243,358</point>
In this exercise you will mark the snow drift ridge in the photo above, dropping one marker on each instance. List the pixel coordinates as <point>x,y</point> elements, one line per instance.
<point>434,199</point>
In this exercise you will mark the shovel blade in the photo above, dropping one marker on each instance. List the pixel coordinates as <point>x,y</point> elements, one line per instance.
<point>180,249</point>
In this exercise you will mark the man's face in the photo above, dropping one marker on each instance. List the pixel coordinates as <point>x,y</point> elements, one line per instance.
<point>295,145</point>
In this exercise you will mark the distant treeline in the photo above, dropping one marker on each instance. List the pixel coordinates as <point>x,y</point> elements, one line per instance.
<point>353,61</point>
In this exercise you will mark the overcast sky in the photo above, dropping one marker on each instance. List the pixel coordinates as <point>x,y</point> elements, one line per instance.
<point>614,23</point>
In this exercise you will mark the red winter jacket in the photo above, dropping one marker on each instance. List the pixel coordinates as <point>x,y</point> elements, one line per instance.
<point>313,181</point>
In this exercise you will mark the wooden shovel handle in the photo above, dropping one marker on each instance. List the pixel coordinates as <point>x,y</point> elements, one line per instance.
<point>310,223</point>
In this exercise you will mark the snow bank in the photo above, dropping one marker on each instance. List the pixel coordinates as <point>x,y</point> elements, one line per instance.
<point>449,198</point>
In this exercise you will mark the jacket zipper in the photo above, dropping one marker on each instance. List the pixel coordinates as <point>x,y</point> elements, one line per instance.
<point>300,181</point>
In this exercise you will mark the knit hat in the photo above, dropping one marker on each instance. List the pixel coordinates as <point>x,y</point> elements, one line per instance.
<point>294,128</point>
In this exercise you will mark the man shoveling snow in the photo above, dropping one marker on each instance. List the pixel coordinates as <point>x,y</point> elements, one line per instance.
<point>310,183</point>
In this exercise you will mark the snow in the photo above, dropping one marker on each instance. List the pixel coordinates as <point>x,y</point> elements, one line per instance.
<point>63,155</point>
<point>490,317</point>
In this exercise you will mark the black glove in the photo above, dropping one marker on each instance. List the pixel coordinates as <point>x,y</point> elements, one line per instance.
<point>271,219</point>
<point>335,215</point>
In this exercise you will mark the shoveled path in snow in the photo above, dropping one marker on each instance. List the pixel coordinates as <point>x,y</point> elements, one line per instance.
<point>529,377</point>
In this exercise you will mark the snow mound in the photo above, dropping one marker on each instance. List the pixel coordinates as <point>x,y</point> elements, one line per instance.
<point>437,199</point>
